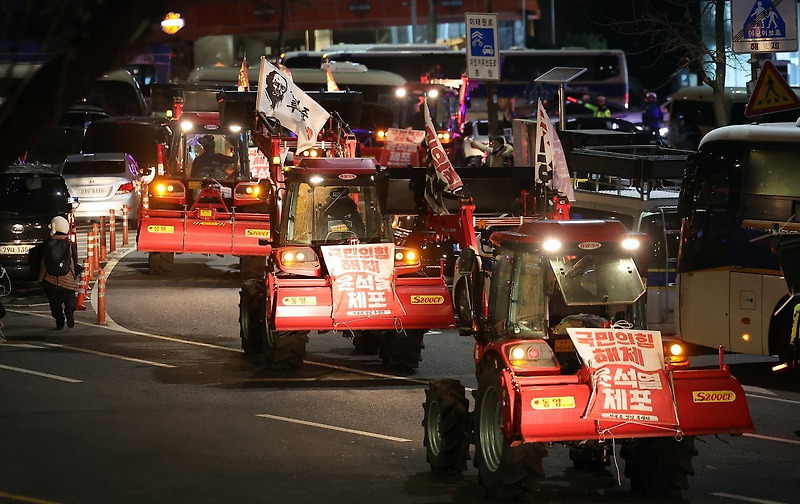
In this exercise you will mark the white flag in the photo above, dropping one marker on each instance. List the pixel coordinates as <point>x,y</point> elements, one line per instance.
<point>280,98</point>
<point>551,163</point>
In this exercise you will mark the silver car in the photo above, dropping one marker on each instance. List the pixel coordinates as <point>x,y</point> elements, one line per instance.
<point>102,182</point>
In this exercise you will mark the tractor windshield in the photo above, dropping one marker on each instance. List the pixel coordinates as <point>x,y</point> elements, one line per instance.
<point>332,214</point>
<point>597,279</point>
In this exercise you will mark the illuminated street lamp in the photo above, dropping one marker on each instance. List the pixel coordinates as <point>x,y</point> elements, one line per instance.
<point>172,23</point>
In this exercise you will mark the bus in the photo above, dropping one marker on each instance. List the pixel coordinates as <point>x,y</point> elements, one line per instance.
<point>739,186</point>
<point>606,71</point>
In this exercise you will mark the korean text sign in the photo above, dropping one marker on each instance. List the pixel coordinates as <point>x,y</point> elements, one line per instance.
<point>630,382</point>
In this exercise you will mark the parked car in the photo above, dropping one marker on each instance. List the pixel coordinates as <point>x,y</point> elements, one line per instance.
<point>102,182</point>
<point>30,196</point>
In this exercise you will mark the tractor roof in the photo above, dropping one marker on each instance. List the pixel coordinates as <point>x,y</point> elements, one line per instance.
<point>565,231</point>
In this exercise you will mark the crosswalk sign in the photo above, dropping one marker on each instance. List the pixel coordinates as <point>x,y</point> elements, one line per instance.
<point>771,93</point>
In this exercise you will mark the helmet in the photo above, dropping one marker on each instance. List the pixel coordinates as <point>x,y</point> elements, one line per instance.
<point>650,96</point>
<point>59,225</point>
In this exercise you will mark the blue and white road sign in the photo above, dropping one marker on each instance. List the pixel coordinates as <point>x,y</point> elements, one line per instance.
<point>483,62</point>
<point>764,26</point>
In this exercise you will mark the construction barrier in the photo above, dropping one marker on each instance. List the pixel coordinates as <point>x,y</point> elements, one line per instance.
<point>124,225</point>
<point>112,233</point>
<point>83,289</point>
<point>101,298</point>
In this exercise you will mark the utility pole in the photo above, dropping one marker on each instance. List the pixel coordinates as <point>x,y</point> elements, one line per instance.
<point>413,5</point>
<point>491,95</point>
<point>432,21</point>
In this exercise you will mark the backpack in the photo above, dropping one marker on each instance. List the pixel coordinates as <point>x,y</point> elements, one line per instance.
<point>57,256</point>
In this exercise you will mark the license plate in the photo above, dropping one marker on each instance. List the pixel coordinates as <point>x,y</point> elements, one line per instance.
<point>14,249</point>
<point>564,345</point>
<point>92,191</point>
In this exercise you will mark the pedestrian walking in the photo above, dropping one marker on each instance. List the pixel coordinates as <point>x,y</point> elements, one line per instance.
<point>59,271</point>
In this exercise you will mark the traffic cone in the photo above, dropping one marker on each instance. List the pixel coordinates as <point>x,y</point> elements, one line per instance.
<point>84,286</point>
<point>101,297</point>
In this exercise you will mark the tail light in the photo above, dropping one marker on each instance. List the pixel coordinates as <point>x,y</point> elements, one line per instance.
<point>299,261</point>
<point>125,188</point>
<point>406,260</point>
<point>531,354</point>
<point>172,191</point>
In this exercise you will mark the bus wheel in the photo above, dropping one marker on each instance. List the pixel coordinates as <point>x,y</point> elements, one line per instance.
<point>780,334</point>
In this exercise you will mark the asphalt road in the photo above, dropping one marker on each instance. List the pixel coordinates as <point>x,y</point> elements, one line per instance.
<point>160,405</point>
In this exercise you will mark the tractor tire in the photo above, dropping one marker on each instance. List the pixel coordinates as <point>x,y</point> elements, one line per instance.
<point>253,316</point>
<point>402,351</point>
<point>659,467</point>
<point>504,471</point>
<point>366,342</point>
<point>285,349</point>
<point>447,426</point>
<point>160,263</point>
<point>463,304</point>
<point>589,456</point>
<point>252,267</point>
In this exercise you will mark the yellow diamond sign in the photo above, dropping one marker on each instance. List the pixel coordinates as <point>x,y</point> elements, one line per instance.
<point>771,93</point>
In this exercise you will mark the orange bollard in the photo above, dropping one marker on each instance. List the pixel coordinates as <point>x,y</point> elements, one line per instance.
<point>112,233</point>
<point>96,251</point>
<point>103,254</point>
<point>84,286</point>
<point>101,298</point>
<point>90,253</point>
<point>124,225</point>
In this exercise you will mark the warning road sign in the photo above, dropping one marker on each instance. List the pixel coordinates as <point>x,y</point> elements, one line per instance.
<point>771,93</point>
<point>761,26</point>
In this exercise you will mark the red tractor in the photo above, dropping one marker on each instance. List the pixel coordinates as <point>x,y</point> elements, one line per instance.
<point>563,356</point>
<point>208,201</point>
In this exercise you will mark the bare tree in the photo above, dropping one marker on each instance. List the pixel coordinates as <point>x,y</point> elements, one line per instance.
<point>674,30</point>
<point>81,40</point>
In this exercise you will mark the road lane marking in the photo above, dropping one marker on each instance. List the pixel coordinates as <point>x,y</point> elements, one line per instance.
<point>335,428</point>
<point>757,390</point>
<point>771,438</point>
<point>113,356</point>
<point>778,399</point>
<point>38,373</point>
<point>22,498</point>
<point>746,499</point>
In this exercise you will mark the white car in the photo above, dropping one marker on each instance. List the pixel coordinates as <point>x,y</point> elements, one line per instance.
<point>102,182</point>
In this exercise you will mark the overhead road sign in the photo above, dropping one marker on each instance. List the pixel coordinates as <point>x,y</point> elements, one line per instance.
<point>483,59</point>
<point>771,93</point>
<point>764,26</point>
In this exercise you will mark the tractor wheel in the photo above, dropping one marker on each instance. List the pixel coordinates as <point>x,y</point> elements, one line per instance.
<point>659,467</point>
<point>160,263</point>
<point>503,470</point>
<point>252,267</point>
<point>285,349</point>
<point>463,303</point>
<point>402,350</point>
<point>589,456</point>
<point>366,342</point>
<point>253,316</point>
<point>447,425</point>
